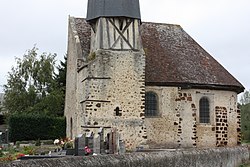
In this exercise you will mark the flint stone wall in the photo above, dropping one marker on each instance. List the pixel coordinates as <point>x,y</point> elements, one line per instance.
<point>217,157</point>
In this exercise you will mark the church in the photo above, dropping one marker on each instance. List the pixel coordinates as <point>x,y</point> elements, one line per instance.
<point>150,82</point>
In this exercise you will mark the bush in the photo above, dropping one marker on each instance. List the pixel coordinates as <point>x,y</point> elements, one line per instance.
<point>245,121</point>
<point>34,127</point>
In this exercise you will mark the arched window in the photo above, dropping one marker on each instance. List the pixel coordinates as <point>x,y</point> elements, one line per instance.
<point>151,104</point>
<point>204,110</point>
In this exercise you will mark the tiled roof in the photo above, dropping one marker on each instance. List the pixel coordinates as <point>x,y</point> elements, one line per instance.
<point>84,32</point>
<point>173,58</point>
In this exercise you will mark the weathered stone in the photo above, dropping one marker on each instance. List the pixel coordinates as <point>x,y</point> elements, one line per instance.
<point>106,86</point>
<point>220,157</point>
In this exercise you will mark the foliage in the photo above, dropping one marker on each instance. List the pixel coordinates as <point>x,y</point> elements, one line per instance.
<point>246,164</point>
<point>11,153</point>
<point>36,127</point>
<point>38,142</point>
<point>51,105</point>
<point>91,56</point>
<point>1,153</point>
<point>33,85</point>
<point>28,150</point>
<point>64,143</point>
<point>60,80</point>
<point>8,158</point>
<point>245,121</point>
<point>61,76</point>
<point>245,98</point>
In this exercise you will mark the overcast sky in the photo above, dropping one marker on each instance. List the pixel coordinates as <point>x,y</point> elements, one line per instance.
<point>221,27</point>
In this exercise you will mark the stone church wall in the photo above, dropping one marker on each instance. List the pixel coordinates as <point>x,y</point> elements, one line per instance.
<point>177,124</point>
<point>74,52</point>
<point>112,91</point>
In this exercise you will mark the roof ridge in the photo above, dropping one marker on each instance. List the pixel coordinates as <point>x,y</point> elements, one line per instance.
<point>157,23</point>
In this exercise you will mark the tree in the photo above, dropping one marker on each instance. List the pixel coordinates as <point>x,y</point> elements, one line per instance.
<point>245,98</point>
<point>32,87</point>
<point>60,78</point>
<point>245,121</point>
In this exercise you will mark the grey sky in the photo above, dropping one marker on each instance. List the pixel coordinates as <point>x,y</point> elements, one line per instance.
<point>221,27</point>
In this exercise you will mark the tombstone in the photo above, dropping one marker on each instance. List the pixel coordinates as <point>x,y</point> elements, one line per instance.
<point>79,145</point>
<point>1,137</point>
<point>97,144</point>
<point>102,145</point>
<point>122,148</point>
<point>113,141</point>
<point>6,136</point>
<point>89,140</point>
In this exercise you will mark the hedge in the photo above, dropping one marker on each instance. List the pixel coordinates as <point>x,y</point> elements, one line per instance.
<point>34,127</point>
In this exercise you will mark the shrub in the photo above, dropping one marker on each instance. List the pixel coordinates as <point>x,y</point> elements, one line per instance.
<point>34,127</point>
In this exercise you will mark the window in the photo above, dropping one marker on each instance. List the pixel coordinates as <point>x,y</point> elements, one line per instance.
<point>151,104</point>
<point>71,128</point>
<point>204,110</point>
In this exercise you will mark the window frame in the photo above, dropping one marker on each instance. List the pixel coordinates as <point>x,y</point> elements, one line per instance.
<point>204,110</point>
<point>153,111</point>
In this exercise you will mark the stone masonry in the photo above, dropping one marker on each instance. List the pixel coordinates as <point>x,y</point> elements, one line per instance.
<point>114,59</point>
<point>178,122</point>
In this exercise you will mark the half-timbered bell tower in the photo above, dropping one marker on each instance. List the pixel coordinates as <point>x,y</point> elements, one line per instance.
<point>113,79</point>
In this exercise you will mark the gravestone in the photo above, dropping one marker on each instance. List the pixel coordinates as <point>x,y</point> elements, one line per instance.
<point>79,145</point>
<point>89,140</point>
<point>101,135</point>
<point>97,144</point>
<point>113,139</point>
<point>122,148</point>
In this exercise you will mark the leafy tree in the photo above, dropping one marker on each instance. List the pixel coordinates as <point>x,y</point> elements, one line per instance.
<point>32,87</point>
<point>61,76</point>
<point>245,121</point>
<point>57,97</point>
<point>245,98</point>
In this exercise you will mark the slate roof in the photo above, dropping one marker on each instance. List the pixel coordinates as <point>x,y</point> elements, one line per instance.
<point>173,58</point>
<point>110,8</point>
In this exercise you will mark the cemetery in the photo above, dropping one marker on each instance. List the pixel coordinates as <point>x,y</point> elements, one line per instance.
<point>83,145</point>
<point>107,150</point>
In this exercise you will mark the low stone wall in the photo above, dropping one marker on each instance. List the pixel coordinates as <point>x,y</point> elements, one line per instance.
<point>217,157</point>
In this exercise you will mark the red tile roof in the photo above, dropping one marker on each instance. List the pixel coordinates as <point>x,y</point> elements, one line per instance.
<point>173,58</point>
